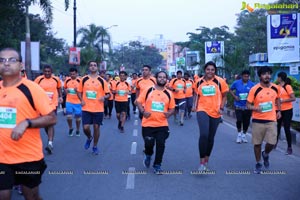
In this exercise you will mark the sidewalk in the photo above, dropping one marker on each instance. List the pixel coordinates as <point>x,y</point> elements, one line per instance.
<point>229,117</point>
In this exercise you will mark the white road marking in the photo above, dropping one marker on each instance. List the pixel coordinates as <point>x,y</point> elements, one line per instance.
<point>135,122</point>
<point>133,148</point>
<point>135,132</point>
<point>130,178</point>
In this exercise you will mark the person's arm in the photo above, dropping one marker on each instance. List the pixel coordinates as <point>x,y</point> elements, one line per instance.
<point>233,95</point>
<point>39,122</point>
<point>223,101</point>
<point>292,98</point>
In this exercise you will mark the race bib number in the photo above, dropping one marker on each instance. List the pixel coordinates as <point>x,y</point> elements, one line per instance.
<point>179,86</point>
<point>266,106</point>
<point>71,91</point>
<point>188,85</point>
<point>209,90</point>
<point>8,117</point>
<point>91,94</point>
<point>121,92</point>
<point>157,106</point>
<point>243,96</point>
<point>50,95</point>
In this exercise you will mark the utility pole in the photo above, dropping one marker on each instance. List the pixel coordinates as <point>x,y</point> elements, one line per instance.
<point>74,23</point>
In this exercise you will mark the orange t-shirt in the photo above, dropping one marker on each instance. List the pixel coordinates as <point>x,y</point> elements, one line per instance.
<point>210,95</point>
<point>111,85</point>
<point>156,102</point>
<point>121,89</point>
<point>14,108</point>
<point>285,93</point>
<point>189,88</point>
<point>71,88</point>
<point>133,86</point>
<point>265,98</point>
<point>92,90</point>
<point>143,84</point>
<point>178,84</point>
<point>50,86</point>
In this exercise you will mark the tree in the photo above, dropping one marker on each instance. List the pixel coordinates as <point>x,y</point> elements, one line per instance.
<point>95,37</point>
<point>135,55</point>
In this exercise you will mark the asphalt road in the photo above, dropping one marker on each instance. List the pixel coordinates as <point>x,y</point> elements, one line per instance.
<point>118,172</point>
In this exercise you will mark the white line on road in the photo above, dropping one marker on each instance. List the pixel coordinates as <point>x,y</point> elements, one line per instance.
<point>135,132</point>
<point>130,178</point>
<point>135,122</point>
<point>133,148</point>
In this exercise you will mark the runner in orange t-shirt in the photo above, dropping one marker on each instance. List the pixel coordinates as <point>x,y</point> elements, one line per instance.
<point>262,99</point>
<point>158,106</point>
<point>110,102</point>
<point>73,104</point>
<point>121,91</point>
<point>24,109</point>
<point>92,92</point>
<point>52,87</point>
<point>178,87</point>
<point>133,91</point>
<point>211,96</point>
<point>189,93</point>
<point>144,82</point>
<point>287,96</point>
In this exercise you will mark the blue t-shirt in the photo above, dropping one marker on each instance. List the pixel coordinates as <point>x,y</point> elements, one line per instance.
<point>241,90</point>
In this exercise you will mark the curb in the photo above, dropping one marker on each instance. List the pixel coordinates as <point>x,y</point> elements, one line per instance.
<point>295,134</point>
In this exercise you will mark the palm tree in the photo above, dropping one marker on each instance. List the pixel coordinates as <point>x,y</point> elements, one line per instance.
<point>94,37</point>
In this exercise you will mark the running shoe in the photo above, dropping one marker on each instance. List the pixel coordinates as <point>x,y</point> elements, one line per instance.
<point>239,138</point>
<point>157,170</point>
<point>71,132</point>
<point>88,143</point>
<point>95,151</point>
<point>258,168</point>
<point>122,129</point>
<point>147,161</point>
<point>266,160</point>
<point>49,148</point>
<point>289,151</point>
<point>77,133</point>
<point>202,168</point>
<point>244,138</point>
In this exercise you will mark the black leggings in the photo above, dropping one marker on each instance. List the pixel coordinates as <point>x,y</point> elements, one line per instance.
<point>108,107</point>
<point>242,118</point>
<point>133,97</point>
<point>208,128</point>
<point>286,117</point>
<point>155,136</point>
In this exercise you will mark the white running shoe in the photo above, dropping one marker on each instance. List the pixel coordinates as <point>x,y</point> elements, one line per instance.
<point>239,138</point>
<point>202,168</point>
<point>244,138</point>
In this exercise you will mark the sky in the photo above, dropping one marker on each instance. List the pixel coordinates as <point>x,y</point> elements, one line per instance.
<point>146,18</point>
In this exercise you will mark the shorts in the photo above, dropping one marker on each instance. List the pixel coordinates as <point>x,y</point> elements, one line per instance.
<point>180,104</point>
<point>121,106</point>
<point>73,109</point>
<point>92,118</point>
<point>28,174</point>
<point>264,132</point>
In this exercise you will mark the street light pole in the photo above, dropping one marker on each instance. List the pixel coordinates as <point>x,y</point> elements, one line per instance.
<point>74,23</point>
<point>102,40</point>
